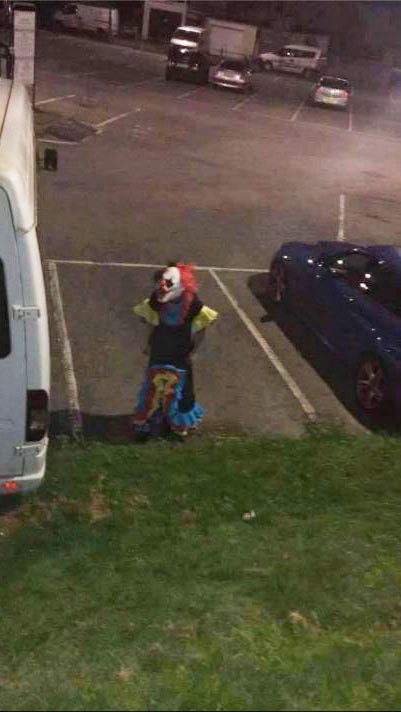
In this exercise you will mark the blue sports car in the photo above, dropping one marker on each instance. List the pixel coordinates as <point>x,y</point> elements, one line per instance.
<point>351,297</point>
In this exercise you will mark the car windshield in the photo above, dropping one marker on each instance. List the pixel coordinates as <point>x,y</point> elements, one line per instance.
<point>235,66</point>
<point>334,83</point>
<point>186,35</point>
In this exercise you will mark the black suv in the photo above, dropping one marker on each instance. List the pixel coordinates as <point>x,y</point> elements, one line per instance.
<point>187,65</point>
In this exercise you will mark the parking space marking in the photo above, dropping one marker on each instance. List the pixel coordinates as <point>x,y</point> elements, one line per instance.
<point>295,114</point>
<point>241,103</point>
<point>112,120</point>
<point>350,118</point>
<point>58,142</point>
<point>55,98</point>
<point>74,410</point>
<point>141,265</point>
<point>189,93</point>
<point>341,219</point>
<point>273,358</point>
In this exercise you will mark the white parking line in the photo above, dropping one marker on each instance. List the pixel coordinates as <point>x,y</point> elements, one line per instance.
<point>111,121</point>
<point>55,98</point>
<point>341,219</point>
<point>295,114</point>
<point>241,103</point>
<point>189,93</point>
<point>58,142</point>
<point>74,410</point>
<point>273,358</point>
<point>141,265</point>
<point>350,118</point>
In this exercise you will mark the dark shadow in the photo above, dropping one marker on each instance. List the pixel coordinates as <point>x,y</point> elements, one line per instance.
<point>117,429</point>
<point>107,428</point>
<point>10,503</point>
<point>335,373</point>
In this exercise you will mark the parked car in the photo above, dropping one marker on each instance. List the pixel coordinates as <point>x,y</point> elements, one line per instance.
<point>332,91</point>
<point>100,17</point>
<point>299,59</point>
<point>233,74</point>
<point>187,65</point>
<point>350,296</point>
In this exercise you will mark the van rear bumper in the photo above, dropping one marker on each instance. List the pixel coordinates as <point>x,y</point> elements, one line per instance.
<point>21,485</point>
<point>34,466</point>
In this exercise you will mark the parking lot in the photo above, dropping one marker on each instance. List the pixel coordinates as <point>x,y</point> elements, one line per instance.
<point>176,171</point>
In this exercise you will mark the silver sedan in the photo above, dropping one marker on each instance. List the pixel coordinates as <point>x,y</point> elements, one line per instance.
<point>332,91</point>
<point>233,74</point>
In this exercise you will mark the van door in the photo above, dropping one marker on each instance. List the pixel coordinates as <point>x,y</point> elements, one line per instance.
<point>287,62</point>
<point>13,372</point>
<point>308,60</point>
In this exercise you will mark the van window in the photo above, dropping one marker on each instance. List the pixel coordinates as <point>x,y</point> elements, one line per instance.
<point>5,341</point>
<point>186,35</point>
<point>309,54</point>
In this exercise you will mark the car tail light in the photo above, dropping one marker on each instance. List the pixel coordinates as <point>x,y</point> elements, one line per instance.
<point>37,415</point>
<point>10,487</point>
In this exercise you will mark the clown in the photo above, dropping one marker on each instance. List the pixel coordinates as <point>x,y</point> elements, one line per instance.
<point>178,320</point>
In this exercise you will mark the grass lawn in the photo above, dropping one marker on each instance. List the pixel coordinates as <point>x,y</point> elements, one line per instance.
<point>132,582</point>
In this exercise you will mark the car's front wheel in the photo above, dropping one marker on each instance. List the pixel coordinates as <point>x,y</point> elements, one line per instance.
<point>278,282</point>
<point>372,389</point>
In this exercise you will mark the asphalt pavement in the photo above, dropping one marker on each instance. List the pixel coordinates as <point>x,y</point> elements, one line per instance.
<point>169,170</point>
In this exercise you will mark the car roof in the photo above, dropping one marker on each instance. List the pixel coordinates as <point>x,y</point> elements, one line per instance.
<point>189,28</point>
<point>330,77</point>
<point>16,178</point>
<point>390,254</point>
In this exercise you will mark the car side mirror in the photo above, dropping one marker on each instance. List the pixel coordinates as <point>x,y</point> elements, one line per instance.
<point>50,159</point>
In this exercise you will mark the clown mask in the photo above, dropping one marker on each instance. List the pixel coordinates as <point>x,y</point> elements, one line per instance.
<point>169,285</point>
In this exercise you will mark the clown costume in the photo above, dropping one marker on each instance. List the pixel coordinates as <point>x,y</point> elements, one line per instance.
<point>178,320</point>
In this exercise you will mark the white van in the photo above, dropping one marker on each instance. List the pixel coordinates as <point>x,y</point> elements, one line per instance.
<point>299,59</point>
<point>24,338</point>
<point>101,18</point>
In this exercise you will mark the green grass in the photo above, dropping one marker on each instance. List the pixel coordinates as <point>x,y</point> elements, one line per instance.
<point>132,582</point>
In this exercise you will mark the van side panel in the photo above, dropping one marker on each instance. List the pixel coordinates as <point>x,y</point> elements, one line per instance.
<point>13,376</point>
<point>37,333</point>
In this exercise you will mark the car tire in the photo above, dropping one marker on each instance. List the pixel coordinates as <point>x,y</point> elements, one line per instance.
<point>168,75</point>
<point>372,387</point>
<point>278,282</point>
<point>267,67</point>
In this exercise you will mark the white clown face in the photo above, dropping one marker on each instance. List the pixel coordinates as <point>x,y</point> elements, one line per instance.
<point>169,286</point>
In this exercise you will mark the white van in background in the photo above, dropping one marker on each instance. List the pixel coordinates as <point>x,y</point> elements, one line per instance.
<point>24,338</point>
<point>101,17</point>
<point>298,59</point>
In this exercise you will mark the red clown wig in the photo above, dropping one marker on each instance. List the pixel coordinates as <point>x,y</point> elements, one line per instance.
<point>188,280</point>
